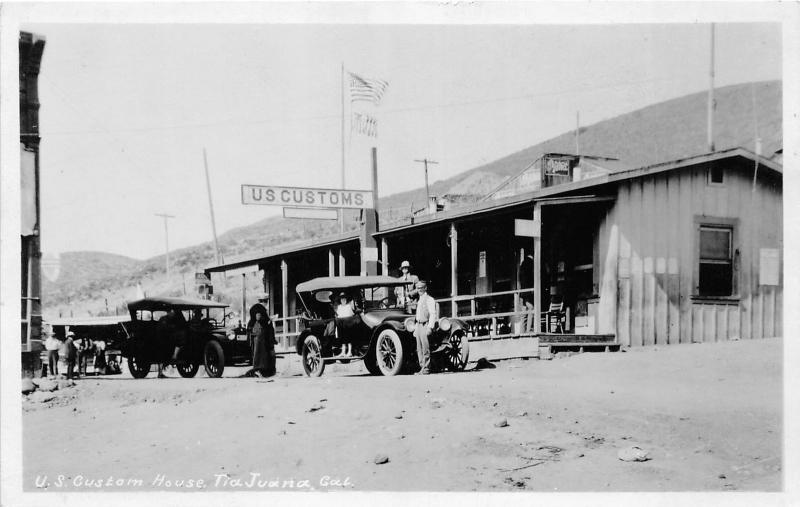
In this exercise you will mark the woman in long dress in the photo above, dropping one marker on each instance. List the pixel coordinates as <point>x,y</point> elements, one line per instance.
<point>263,339</point>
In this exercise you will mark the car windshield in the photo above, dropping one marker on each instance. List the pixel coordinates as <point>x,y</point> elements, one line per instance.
<point>216,315</point>
<point>322,303</point>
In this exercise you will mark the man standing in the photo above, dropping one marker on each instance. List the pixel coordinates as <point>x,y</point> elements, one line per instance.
<point>426,318</point>
<point>408,296</point>
<point>70,354</point>
<point>526,282</point>
<point>84,345</point>
<point>51,344</point>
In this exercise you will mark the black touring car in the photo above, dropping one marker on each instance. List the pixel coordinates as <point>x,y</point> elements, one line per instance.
<point>200,327</point>
<point>382,332</point>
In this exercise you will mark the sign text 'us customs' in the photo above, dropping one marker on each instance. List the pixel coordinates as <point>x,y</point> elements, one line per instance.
<point>306,197</point>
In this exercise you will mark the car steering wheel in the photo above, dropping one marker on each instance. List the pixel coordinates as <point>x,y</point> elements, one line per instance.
<point>384,303</point>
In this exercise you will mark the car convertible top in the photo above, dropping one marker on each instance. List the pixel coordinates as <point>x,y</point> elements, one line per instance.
<point>347,282</point>
<point>165,303</point>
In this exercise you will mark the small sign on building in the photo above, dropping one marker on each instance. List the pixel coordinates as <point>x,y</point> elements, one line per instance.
<point>527,228</point>
<point>313,213</point>
<point>769,266</point>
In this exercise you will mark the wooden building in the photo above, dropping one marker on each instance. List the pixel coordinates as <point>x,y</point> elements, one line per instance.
<point>31,47</point>
<point>679,252</point>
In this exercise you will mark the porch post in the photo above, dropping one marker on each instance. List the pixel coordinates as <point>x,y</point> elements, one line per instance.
<point>537,267</point>
<point>244,293</point>
<point>331,263</point>
<point>285,291</point>
<point>384,257</point>
<point>453,268</point>
<point>341,263</point>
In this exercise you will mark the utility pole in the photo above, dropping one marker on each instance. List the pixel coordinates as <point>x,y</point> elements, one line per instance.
<point>211,209</point>
<point>427,190</point>
<point>577,133</point>
<point>166,236</point>
<point>711,102</point>
<point>344,164</point>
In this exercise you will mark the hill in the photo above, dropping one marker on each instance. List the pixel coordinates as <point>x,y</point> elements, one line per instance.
<point>661,132</point>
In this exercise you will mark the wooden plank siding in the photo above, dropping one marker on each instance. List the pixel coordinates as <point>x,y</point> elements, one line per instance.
<point>652,229</point>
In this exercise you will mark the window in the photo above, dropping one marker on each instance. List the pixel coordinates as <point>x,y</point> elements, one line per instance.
<point>716,176</point>
<point>716,277</point>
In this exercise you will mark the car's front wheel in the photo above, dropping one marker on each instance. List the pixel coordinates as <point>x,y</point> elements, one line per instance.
<point>457,355</point>
<point>371,364</point>
<point>188,370</point>
<point>213,359</point>
<point>389,353</point>
<point>138,367</point>
<point>313,364</point>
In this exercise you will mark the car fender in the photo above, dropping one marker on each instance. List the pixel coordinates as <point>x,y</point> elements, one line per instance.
<point>300,339</point>
<point>407,336</point>
<point>456,324</point>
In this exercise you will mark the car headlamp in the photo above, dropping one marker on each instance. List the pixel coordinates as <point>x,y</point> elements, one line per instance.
<point>444,324</point>
<point>409,323</point>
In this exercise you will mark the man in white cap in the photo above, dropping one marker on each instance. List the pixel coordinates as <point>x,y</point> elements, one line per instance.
<point>410,294</point>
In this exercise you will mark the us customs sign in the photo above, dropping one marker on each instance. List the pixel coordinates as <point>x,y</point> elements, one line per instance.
<point>306,197</point>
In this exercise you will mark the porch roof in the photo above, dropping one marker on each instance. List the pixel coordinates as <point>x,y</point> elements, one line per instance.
<point>285,249</point>
<point>487,207</point>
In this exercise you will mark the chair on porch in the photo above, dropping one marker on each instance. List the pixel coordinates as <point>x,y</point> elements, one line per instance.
<point>555,318</point>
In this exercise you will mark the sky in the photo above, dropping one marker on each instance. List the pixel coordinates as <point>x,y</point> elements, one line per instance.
<point>127,109</point>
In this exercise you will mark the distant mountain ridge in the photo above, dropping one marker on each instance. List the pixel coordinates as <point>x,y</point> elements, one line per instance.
<point>666,131</point>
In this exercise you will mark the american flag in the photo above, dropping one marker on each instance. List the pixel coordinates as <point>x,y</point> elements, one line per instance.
<point>366,89</point>
<point>364,124</point>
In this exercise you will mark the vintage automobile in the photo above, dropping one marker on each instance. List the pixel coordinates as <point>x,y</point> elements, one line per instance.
<point>209,339</point>
<point>382,335</point>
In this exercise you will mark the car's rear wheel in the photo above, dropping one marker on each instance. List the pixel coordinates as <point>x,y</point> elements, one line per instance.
<point>188,370</point>
<point>138,367</point>
<point>457,355</point>
<point>389,353</point>
<point>213,359</point>
<point>313,364</point>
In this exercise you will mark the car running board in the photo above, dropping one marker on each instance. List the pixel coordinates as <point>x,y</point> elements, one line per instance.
<point>333,359</point>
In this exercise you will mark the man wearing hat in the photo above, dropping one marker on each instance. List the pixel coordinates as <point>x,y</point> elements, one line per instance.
<point>425,318</point>
<point>410,291</point>
<point>70,353</point>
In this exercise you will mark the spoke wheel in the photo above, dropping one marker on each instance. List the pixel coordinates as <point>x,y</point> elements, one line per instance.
<point>313,364</point>
<point>458,353</point>
<point>213,359</point>
<point>188,370</point>
<point>389,353</point>
<point>138,367</point>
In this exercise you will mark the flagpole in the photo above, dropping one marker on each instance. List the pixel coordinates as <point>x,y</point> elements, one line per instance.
<point>341,211</point>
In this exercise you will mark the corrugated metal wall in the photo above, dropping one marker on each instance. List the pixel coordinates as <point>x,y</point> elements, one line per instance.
<point>651,234</point>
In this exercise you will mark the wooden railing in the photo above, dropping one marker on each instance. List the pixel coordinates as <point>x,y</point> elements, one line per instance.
<point>483,325</point>
<point>287,329</point>
<point>489,325</point>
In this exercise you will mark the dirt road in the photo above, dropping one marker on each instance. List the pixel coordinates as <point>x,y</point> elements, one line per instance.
<point>709,416</point>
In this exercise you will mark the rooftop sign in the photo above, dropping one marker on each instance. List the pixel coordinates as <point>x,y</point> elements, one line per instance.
<point>306,197</point>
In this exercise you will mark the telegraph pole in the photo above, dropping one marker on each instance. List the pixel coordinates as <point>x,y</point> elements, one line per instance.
<point>211,209</point>
<point>427,190</point>
<point>166,237</point>
<point>711,103</point>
